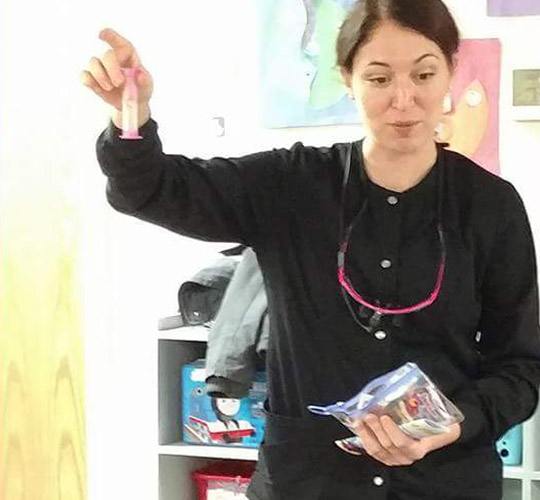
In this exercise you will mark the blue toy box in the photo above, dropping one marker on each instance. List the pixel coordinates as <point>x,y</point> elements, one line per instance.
<point>220,421</point>
<point>510,446</point>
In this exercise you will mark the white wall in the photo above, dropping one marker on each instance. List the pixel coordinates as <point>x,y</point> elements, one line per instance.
<point>132,270</point>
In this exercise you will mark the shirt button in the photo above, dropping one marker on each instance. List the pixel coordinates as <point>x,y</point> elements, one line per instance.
<point>380,335</point>
<point>378,481</point>
<point>392,200</point>
<point>385,263</point>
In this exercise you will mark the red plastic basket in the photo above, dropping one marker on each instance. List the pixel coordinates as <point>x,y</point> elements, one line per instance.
<point>230,473</point>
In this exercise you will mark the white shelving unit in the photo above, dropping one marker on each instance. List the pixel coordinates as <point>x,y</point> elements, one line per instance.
<point>176,459</point>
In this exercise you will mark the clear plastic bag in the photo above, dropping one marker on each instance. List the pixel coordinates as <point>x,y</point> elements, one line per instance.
<point>407,395</point>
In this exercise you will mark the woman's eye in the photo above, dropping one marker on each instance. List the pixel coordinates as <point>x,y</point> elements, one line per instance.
<point>380,80</point>
<point>425,76</point>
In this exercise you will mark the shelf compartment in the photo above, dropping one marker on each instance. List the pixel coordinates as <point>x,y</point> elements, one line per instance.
<point>512,489</point>
<point>535,490</point>
<point>175,481</point>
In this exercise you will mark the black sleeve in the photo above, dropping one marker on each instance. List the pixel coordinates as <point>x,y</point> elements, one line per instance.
<point>506,393</point>
<point>221,199</point>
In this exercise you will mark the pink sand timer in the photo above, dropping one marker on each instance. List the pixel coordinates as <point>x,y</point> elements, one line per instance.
<point>130,105</point>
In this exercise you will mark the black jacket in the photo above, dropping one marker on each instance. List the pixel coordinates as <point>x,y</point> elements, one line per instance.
<point>285,204</point>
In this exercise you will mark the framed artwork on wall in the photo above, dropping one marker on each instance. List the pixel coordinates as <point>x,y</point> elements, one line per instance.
<point>471,120</point>
<point>300,84</point>
<point>513,7</point>
<point>526,95</point>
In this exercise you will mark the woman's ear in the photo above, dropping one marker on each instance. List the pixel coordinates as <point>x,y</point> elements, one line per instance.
<point>454,66</point>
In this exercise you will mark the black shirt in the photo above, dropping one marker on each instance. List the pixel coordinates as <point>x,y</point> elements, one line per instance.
<point>285,203</point>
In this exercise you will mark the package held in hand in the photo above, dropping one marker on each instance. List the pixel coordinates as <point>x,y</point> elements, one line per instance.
<point>406,395</point>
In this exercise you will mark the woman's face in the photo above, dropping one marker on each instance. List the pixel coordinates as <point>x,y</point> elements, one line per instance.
<point>399,80</point>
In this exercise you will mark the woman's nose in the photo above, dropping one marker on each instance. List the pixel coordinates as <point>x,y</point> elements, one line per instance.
<point>403,97</point>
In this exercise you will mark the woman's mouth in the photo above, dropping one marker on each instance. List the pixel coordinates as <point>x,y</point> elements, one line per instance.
<point>404,129</point>
<point>404,125</point>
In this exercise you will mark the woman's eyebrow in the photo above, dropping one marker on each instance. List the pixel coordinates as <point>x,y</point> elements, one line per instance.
<point>386,65</point>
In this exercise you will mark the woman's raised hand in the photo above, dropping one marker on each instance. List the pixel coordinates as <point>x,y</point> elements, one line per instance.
<point>104,76</point>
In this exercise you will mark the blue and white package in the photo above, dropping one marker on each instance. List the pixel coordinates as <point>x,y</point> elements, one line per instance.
<point>221,421</point>
<point>406,395</point>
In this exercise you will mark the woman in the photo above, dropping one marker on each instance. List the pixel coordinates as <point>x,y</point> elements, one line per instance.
<point>413,228</point>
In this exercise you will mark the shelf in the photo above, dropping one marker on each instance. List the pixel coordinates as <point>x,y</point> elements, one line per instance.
<point>223,452</point>
<point>189,450</point>
<point>185,333</point>
<point>518,472</point>
<point>513,472</point>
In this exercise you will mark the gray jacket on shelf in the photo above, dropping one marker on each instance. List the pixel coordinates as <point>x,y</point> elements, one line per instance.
<point>238,339</point>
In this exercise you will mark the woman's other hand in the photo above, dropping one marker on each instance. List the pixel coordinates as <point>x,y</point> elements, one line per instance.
<point>384,441</point>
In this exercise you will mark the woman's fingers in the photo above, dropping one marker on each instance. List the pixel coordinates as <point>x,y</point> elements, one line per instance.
<point>412,449</point>
<point>89,81</point>
<point>112,67</point>
<point>123,49</point>
<point>398,438</point>
<point>369,440</point>
<point>99,74</point>
<point>384,441</point>
<point>112,97</point>
<point>372,445</point>
<point>376,427</point>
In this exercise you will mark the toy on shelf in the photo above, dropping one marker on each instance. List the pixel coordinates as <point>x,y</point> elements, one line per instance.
<point>221,421</point>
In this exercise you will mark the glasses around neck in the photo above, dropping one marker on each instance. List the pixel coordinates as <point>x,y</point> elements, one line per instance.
<point>370,314</point>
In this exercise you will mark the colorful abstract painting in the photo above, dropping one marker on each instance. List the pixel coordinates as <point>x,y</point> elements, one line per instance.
<point>513,7</point>
<point>301,85</point>
<point>471,121</point>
